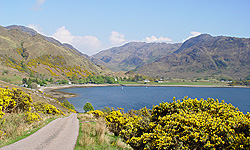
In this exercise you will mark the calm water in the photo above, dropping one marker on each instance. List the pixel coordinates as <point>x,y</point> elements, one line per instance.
<point>138,97</point>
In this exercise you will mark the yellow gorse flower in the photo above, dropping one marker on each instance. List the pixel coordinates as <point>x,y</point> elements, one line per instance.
<point>184,124</point>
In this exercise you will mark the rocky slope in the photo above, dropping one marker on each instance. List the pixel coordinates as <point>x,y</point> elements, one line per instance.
<point>204,55</point>
<point>200,56</point>
<point>132,55</point>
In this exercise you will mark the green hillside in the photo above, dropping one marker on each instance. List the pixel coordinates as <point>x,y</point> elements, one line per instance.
<point>23,51</point>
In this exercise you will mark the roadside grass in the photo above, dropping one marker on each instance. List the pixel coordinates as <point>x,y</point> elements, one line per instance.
<point>93,134</point>
<point>16,128</point>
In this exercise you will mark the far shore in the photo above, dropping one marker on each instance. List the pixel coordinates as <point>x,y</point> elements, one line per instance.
<point>53,90</point>
<point>56,87</point>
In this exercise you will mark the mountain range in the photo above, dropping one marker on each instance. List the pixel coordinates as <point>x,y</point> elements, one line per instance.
<point>25,50</point>
<point>200,56</point>
<point>132,55</point>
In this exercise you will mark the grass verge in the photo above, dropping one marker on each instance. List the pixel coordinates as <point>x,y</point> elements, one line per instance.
<point>93,134</point>
<point>16,128</point>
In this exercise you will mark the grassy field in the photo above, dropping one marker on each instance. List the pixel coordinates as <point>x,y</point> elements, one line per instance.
<point>11,79</point>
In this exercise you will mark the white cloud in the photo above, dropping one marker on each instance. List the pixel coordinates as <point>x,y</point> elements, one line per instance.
<point>117,38</point>
<point>38,4</point>
<point>194,34</point>
<point>90,44</point>
<point>63,35</point>
<point>86,44</point>
<point>155,39</point>
<point>36,27</point>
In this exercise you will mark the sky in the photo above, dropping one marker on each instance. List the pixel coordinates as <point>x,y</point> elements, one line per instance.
<point>95,25</point>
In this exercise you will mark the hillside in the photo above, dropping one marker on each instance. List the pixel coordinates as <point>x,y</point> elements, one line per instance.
<point>132,55</point>
<point>23,50</point>
<point>204,55</point>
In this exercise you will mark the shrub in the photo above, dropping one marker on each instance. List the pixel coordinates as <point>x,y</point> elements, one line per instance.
<point>88,107</point>
<point>31,117</point>
<point>186,124</point>
<point>96,113</point>
<point>14,100</point>
<point>67,104</point>
<point>106,110</point>
<point>46,108</point>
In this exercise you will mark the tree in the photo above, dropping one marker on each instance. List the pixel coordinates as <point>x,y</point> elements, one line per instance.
<point>67,104</point>
<point>88,107</point>
<point>51,80</point>
<point>25,80</point>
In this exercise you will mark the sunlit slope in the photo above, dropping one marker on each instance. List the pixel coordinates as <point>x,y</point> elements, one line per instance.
<point>39,54</point>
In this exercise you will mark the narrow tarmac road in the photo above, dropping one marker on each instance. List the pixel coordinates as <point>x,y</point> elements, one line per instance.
<point>60,134</point>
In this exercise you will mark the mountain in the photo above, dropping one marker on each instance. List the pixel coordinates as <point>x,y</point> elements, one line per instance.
<point>132,55</point>
<point>204,55</point>
<point>31,53</point>
<point>33,32</point>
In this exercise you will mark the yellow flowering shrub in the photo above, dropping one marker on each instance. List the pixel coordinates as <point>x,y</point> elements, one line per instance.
<point>46,108</point>
<point>31,117</point>
<point>127,125</point>
<point>14,100</point>
<point>51,72</point>
<point>184,124</point>
<point>96,113</point>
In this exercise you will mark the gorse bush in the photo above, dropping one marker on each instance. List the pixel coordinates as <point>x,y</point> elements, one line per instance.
<point>13,101</point>
<point>184,124</point>
<point>16,101</point>
<point>46,108</point>
<point>31,117</point>
<point>96,113</point>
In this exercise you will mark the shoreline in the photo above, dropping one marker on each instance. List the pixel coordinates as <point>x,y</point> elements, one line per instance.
<point>54,90</point>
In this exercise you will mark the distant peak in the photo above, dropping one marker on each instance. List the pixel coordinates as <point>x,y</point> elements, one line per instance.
<point>28,30</point>
<point>204,35</point>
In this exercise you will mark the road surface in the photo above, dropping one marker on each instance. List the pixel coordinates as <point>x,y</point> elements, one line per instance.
<point>60,134</point>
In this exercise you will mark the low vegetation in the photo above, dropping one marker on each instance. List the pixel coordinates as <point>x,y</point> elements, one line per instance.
<point>23,112</point>
<point>181,124</point>
<point>95,135</point>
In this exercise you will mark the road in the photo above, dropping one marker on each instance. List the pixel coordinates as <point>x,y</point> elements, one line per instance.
<point>60,134</point>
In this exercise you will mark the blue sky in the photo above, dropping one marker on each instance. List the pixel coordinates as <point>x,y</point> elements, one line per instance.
<point>94,25</point>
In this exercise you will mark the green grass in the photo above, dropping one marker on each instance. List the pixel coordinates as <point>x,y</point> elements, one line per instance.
<point>12,79</point>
